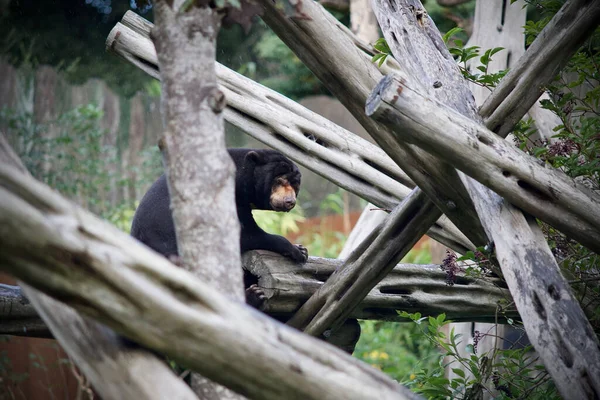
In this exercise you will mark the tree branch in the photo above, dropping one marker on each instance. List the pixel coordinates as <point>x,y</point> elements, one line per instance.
<point>328,51</point>
<point>568,346</point>
<point>408,287</point>
<point>368,264</point>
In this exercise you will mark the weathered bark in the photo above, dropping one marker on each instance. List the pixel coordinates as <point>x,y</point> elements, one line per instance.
<point>544,192</point>
<point>17,315</point>
<point>102,272</point>
<point>112,368</point>
<point>408,287</point>
<point>331,55</point>
<point>259,111</point>
<point>567,345</point>
<point>370,262</point>
<point>546,56</point>
<point>200,173</point>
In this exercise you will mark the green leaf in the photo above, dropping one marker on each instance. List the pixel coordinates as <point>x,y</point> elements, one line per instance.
<point>441,318</point>
<point>469,255</point>
<point>451,33</point>
<point>459,372</point>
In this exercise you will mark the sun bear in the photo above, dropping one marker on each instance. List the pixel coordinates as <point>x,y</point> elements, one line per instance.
<point>264,180</point>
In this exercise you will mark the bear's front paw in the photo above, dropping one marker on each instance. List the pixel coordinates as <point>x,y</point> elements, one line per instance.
<point>301,255</point>
<point>255,297</point>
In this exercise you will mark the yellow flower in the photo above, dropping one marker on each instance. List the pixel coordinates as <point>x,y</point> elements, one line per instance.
<point>412,376</point>
<point>374,354</point>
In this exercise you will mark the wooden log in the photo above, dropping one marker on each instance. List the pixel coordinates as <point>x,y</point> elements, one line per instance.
<point>544,192</point>
<point>546,56</point>
<point>408,287</point>
<point>17,315</point>
<point>101,272</point>
<point>111,367</point>
<point>368,264</point>
<point>309,139</point>
<point>325,47</point>
<point>552,317</point>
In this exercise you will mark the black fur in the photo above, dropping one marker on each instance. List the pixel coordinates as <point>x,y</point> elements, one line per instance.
<point>258,174</point>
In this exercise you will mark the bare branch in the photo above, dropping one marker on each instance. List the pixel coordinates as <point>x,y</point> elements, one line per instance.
<point>327,50</point>
<point>567,346</point>
<point>367,265</point>
<point>408,287</point>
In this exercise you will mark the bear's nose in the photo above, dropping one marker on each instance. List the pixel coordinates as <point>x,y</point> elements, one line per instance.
<point>289,202</point>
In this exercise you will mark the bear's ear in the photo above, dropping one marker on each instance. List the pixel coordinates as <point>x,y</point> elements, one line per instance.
<point>254,157</point>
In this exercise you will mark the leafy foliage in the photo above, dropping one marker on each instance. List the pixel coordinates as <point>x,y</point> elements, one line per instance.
<point>69,154</point>
<point>502,373</point>
<point>464,55</point>
<point>383,51</point>
<point>574,96</point>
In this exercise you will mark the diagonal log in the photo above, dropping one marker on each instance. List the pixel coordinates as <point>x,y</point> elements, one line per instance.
<point>306,137</point>
<point>330,306</point>
<point>329,53</point>
<point>542,191</point>
<point>552,317</point>
<point>547,55</point>
<point>324,46</point>
<point>101,272</point>
<point>111,366</point>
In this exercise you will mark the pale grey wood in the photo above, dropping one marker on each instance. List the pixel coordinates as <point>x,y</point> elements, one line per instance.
<point>287,285</point>
<point>523,246</point>
<point>321,42</point>
<point>104,273</point>
<point>200,173</point>
<point>497,23</point>
<point>115,371</point>
<point>309,139</point>
<point>369,219</point>
<point>368,264</point>
<point>408,287</point>
<point>363,22</point>
<point>542,191</point>
<point>546,56</point>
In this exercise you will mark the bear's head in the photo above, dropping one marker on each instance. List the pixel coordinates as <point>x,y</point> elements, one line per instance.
<point>276,180</point>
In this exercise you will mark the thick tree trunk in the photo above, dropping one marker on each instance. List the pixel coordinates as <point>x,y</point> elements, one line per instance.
<point>199,171</point>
